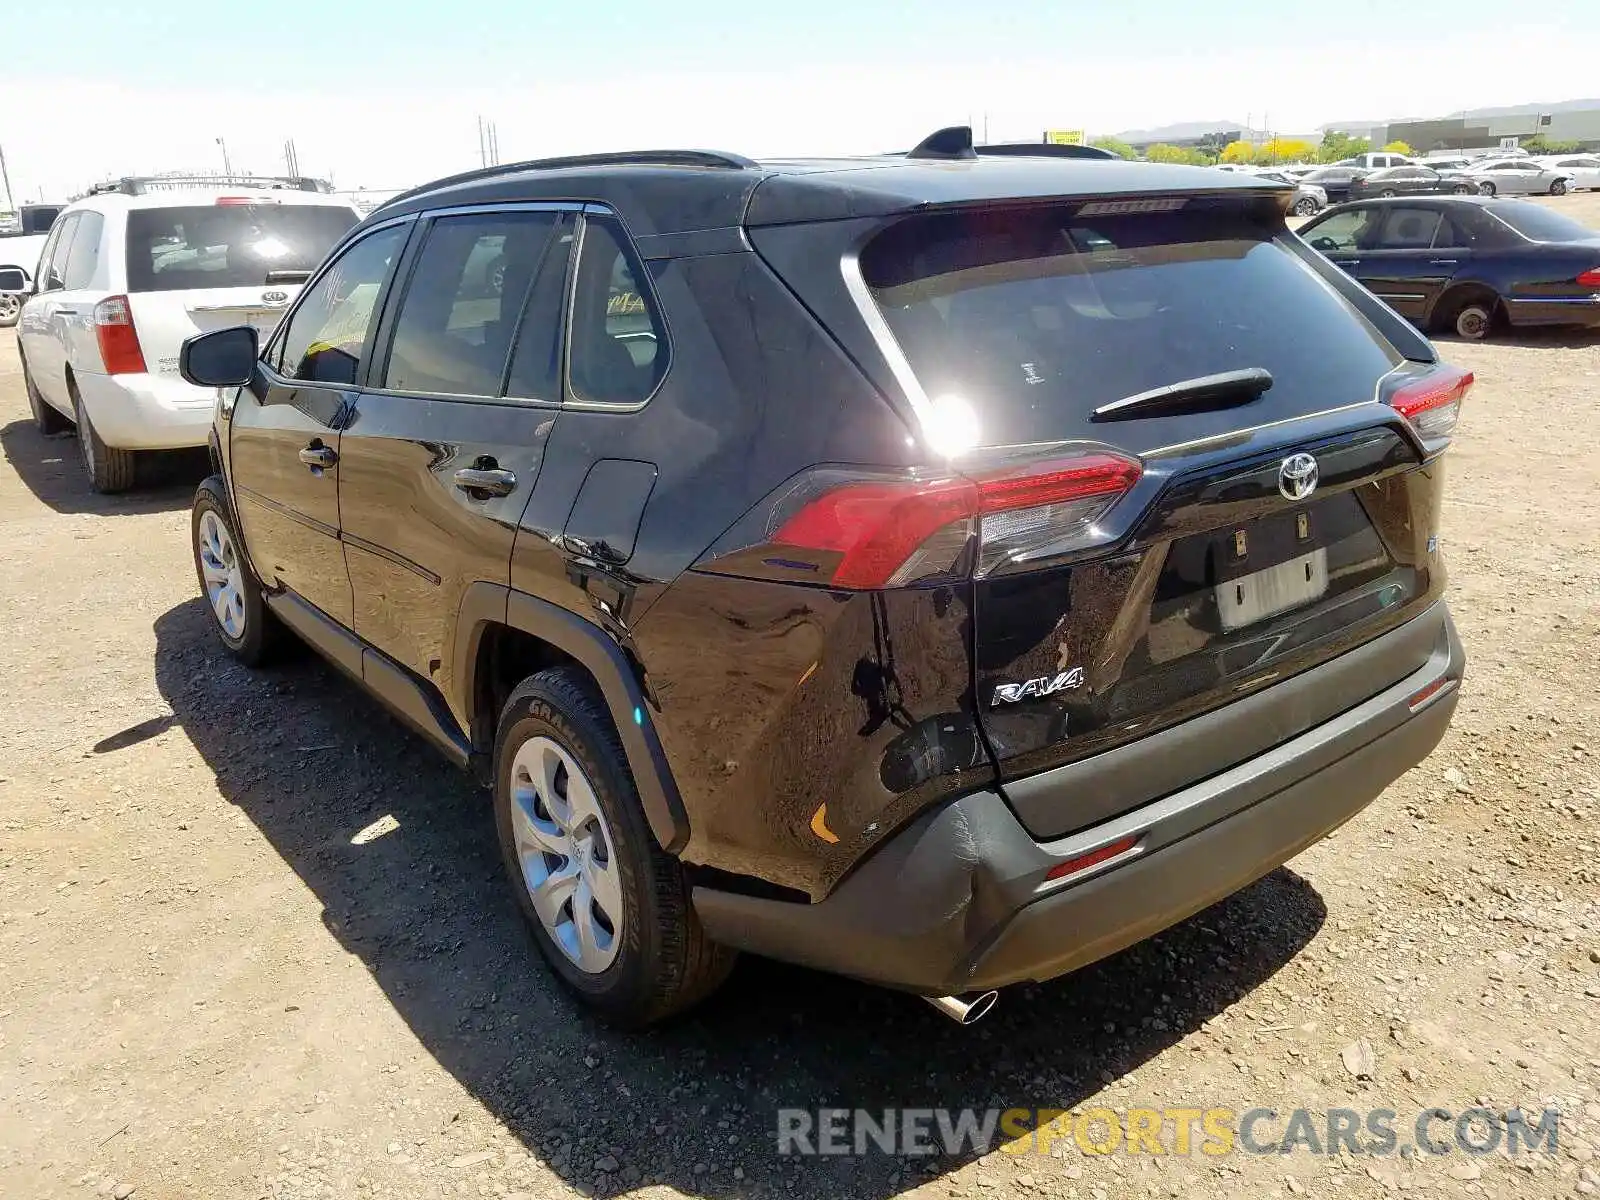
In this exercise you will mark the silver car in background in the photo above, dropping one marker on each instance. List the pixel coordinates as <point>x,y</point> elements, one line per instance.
<point>1309,199</point>
<point>1516,177</point>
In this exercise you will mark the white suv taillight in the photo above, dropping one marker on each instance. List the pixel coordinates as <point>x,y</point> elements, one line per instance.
<point>889,534</point>
<point>1432,404</point>
<point>119,340</point>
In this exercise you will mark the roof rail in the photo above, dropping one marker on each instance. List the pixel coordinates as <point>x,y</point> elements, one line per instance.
<point>139,185</point>
<point>1042,150</point>
<point>622,158</point>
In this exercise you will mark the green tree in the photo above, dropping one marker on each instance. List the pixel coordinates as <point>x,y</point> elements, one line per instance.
<point>1238,152</point>
<point>1538,144</point>
<point>1336,146</point>
<point>1119,148</point>
<point>1399,147</point>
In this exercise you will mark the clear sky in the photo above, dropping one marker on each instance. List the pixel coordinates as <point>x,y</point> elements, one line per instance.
<point>386,93</point>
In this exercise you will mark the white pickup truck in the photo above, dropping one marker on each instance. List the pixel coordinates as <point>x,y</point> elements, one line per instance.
<point>20,244</point>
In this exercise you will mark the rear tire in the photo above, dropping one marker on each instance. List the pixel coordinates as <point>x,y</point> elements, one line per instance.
<point>1388,193</point>
<point>109,469</point>
<point>251,634</point>
<point>1461,189</point>
<point>567,812</point>
<point>45,417</point>
<point>1305,207</point>
<point>10,309</point>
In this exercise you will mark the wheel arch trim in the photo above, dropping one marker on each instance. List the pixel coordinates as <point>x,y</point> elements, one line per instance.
<point>608,664</point>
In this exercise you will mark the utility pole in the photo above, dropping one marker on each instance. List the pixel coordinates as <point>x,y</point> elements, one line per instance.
<point>5,178</point>
<point>227,167</point>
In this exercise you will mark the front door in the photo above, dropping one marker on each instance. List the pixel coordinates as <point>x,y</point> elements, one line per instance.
<point>449,433</point>
<point>284,439</point>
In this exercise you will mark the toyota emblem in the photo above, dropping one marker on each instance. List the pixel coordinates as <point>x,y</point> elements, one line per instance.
<point>274,297</point>
<point>1297,476</point>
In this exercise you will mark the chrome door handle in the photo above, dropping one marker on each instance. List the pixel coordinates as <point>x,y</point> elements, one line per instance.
<point>1443,262</point>
<point>492,481</point>
<point>318,455</point>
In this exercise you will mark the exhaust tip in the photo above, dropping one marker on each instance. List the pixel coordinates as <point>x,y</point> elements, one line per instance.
<point>965,1010</point>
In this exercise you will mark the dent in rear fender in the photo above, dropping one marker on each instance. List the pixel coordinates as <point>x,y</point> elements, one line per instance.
<point>623,693</point>
<point>804,725</point>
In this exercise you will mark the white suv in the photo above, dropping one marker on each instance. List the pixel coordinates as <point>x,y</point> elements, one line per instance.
<point>132,270</point>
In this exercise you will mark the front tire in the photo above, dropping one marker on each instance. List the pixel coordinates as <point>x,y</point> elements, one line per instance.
<point>243,623</point>
<point>1486,188</point>
<point>109,469</point>
<point>10,309</point>
<point>1558,188</point>
<point>1388,193</point>
<point>609,910</point>
<point>1305,207</point>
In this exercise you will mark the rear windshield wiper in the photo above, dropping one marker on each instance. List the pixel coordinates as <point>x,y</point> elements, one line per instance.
<point>1228,389</point>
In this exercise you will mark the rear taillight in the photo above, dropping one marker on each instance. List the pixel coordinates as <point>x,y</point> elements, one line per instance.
<point>1432,404</point>
<point>892,533</point>
<point>1590,278</point>
<point>119,340</point>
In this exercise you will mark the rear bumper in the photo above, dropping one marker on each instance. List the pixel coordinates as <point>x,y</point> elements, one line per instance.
<point>959,900</point>
<point>1535,310</point>
<point>146,412</point>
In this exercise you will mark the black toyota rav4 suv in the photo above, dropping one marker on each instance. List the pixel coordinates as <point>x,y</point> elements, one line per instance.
<point>940,568</point>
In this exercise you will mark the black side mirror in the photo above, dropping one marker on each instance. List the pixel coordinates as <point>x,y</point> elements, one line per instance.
<point>13,279</point>
<point>222,358</point>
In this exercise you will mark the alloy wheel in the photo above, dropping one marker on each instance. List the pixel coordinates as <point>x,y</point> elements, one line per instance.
<point>10,307</point>
<point>567,855</point>
<point>219,564</point>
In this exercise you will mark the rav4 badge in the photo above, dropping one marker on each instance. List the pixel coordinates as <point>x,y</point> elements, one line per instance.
<point>1044,685</point>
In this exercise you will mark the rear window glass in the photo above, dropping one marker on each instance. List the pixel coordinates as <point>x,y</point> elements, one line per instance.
<point>1541,224</point>
<point>1035,318</point>
<point>228,245</point>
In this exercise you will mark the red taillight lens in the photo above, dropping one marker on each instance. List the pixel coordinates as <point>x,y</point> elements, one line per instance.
<point>1432,404</point>
<point>119,340</point>
<point>1590,278</point>
<point>890,534</point>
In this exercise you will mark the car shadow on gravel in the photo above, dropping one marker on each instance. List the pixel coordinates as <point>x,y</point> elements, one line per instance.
<point>51,469</point>
<point>313,762</point>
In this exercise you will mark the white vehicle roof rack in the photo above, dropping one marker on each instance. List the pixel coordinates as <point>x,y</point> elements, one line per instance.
<point>139,185</point>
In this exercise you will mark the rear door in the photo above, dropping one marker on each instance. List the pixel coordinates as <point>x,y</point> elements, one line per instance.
<point>286,428</point>
<point>449,435</point>
<point>193,268</point>
<point>1258,537</point>
<point>1400,267</point>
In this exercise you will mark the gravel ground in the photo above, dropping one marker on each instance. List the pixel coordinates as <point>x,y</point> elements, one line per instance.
<point>212,986</point>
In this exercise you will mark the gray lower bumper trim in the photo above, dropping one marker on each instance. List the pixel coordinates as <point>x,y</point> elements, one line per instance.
<point>958,900</point>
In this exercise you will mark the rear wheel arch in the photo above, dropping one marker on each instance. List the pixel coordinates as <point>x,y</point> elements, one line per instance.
<point>1457,297</point>
<point>496,652</point>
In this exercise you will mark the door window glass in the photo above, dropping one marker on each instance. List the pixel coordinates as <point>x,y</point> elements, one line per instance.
<point>85,252</point>
<point>1409,229</point>
<point>454,331</point>
<point>536,359</point>
<point>1345,231</point>
<point>53,262</point>
<point>326,336</point>
<point>618,343</point>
